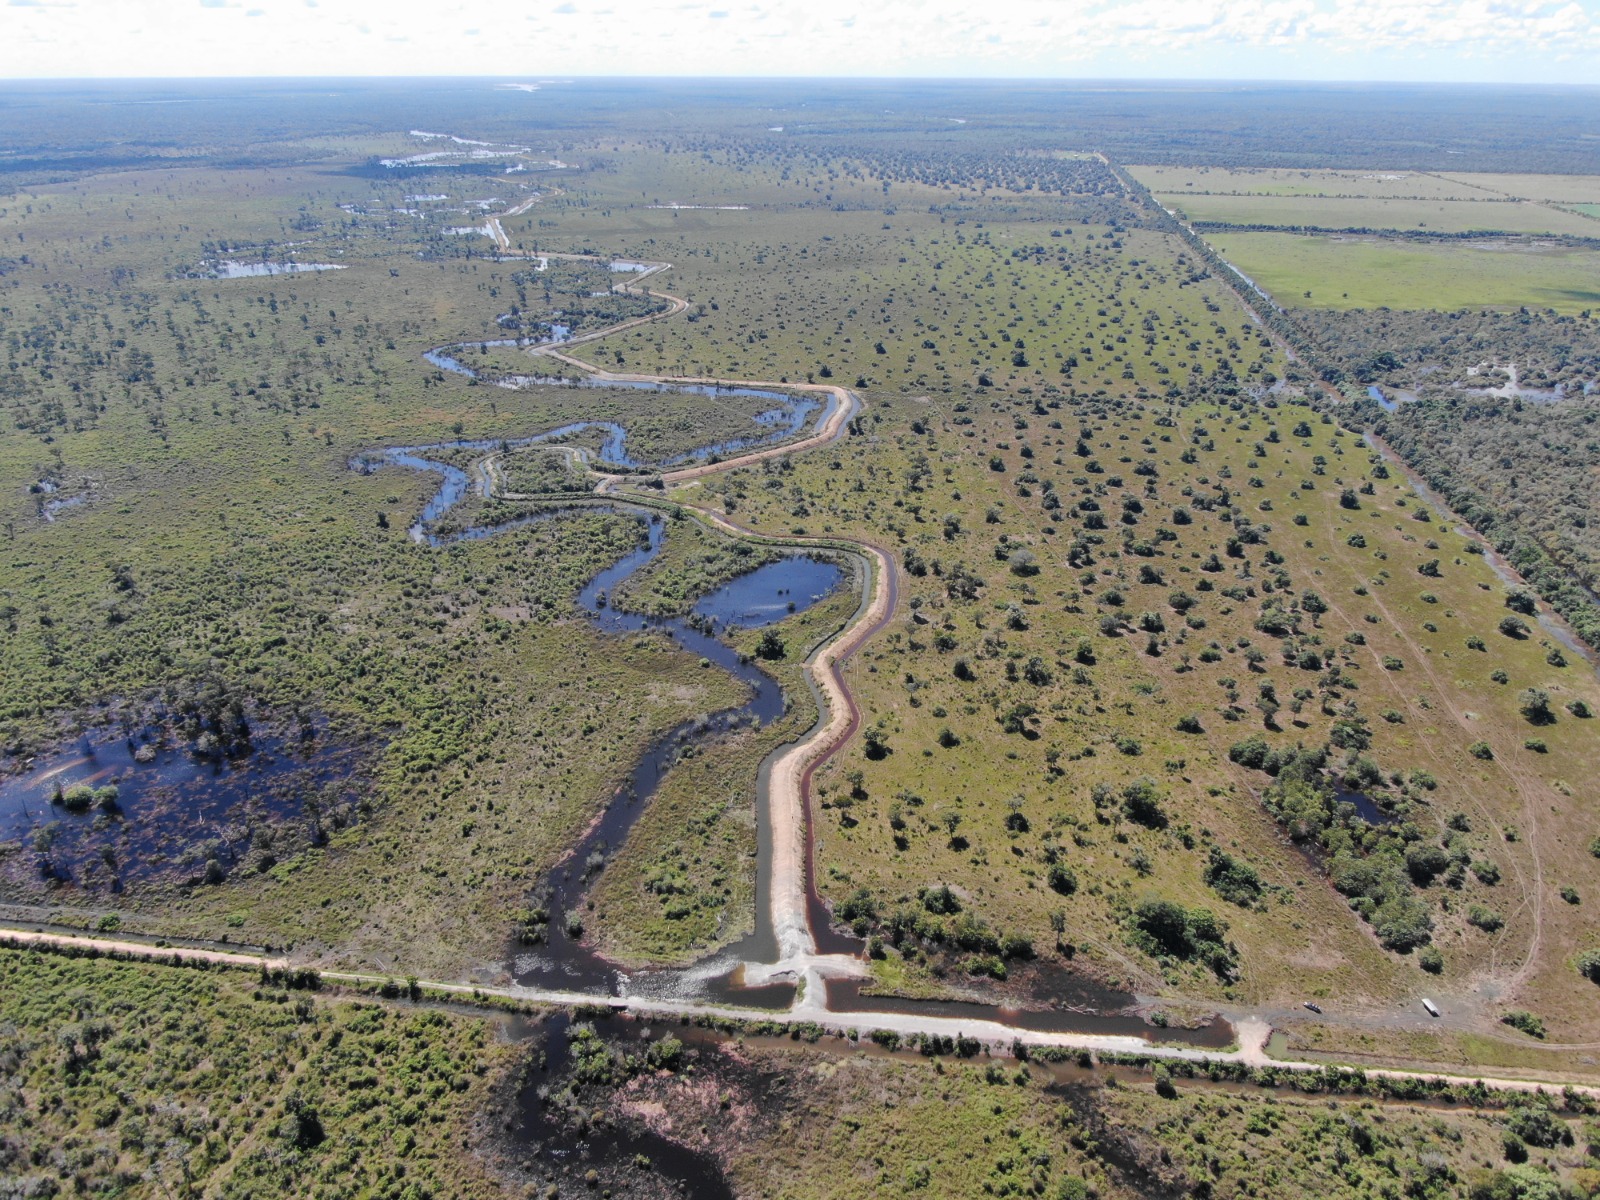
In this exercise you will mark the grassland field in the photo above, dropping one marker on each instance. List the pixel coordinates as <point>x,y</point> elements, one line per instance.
<point>1367,272</point>
<point>1380,268</point>
<point>990,333</point>
<point>1554,189</point>
<point>1212,181</point>
<point>1407,215</point>
<point>1376,184</point>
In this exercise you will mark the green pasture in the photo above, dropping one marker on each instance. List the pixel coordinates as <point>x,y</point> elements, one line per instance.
<point>1402,215</point>
<point>1176,182</point>
<point>1353,272</point>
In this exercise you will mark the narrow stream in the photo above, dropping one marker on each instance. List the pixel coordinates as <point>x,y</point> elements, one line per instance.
<point>788,415</point>
<point>562,960</point>
<point>557,958</point>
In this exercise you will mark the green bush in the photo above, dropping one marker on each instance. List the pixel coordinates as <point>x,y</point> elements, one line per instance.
<point>1164,928</point>
<point>1588,965</point>
<point>1234,881</point>
<point>1485,918</point>
<point>1525,1021</point>
<point>1141,804</point>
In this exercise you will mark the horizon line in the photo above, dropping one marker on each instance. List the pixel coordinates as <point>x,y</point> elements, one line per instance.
<point>1061,80</point>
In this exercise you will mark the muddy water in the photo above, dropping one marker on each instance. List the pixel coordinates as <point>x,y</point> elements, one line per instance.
<point>172,810</point>
<point>538,1131</point>
<point>562,961</point>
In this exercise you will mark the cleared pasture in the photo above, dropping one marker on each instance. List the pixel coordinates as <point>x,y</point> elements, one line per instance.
<point>1273,181</point>
<point>1401,215</point>
<point>1354,272</point>
<point>1555,189</point>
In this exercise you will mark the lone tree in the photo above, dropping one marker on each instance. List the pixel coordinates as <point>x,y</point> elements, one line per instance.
<point>1535,705</point>
<point>1514,627</point>
<point>771,646</point>
<point>951,820</point>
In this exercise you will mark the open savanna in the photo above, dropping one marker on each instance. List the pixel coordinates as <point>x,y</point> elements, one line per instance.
<point>1003,343</point>
<point>886,484</point>
<point>204,429</point>
<point>1019,298</point>
<point>1360,272</point>
<point>983,783</point>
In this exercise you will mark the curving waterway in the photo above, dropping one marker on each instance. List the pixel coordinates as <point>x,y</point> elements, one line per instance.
<point>553,955</point>
<point>559,958</point>
<point>789,414</point>
<point>794,938</point>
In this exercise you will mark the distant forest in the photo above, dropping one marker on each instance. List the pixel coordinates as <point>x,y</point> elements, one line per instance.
<point>57,129</point>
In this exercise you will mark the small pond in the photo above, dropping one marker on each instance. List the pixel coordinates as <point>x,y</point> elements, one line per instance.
<point>1366,807</point>
<point>771,593</point>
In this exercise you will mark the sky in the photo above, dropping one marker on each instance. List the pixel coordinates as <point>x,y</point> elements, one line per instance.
<point>1492,41</point>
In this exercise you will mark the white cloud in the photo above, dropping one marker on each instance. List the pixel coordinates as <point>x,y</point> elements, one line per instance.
<point>1375,39</point>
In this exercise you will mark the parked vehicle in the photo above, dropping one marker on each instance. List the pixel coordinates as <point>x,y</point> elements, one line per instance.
<point>1433,1009</point>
